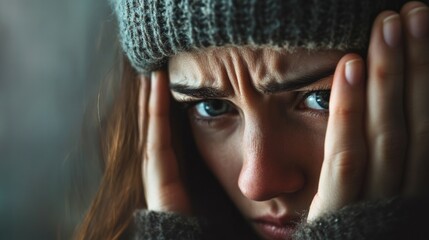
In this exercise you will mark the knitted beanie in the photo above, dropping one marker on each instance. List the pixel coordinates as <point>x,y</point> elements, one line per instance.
<point>151,31</point>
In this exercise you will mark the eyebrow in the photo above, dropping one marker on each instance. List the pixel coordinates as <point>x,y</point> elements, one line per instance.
<point>270,88</point>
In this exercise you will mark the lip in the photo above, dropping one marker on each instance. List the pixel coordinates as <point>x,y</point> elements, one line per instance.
<point>276,228</point>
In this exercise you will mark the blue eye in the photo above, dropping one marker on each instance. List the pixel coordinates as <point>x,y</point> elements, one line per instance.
<point>212,108</point>
<point>318,100</point>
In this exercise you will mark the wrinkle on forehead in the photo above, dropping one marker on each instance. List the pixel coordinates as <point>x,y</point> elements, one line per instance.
<point>217,66</point>
<point>233,67</point>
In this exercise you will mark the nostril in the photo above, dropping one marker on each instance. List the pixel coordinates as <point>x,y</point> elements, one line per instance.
<point>259,186</point>
<point>252,188</point>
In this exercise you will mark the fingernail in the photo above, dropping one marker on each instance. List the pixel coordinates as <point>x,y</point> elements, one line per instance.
<point>418,22</point>
<point>392,30</point>
<point>153,75</point>
<point>354,71</point>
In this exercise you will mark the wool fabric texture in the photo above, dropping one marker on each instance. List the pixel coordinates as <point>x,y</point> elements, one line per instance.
<point>151,31</point>
<point>151,225</point>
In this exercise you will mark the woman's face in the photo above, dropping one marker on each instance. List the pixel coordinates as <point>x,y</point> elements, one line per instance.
<point>259,118</point>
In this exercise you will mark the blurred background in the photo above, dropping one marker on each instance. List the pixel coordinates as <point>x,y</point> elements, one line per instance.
<point>53,56</point>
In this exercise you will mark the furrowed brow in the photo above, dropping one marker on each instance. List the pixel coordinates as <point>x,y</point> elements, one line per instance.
<point>269,88</point>
<point>294,84</point>
<point>199,92</point>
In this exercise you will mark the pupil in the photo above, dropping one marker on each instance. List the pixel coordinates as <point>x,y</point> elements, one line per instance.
<point>322,98</point>
<point>215,107</point>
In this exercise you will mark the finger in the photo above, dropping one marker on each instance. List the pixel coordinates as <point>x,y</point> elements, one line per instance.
<point>345,152</point>
<point>386,126</point>
<point>159,155</point>
<point>415,15</point>
<point>143,107</point>
<point>164,188</point>
<point>159,136</point>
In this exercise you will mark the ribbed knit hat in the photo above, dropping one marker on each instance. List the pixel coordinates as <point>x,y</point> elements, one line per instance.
<point>151,31</point>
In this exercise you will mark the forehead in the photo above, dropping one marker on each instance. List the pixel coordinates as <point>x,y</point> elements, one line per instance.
<point>212,66</point>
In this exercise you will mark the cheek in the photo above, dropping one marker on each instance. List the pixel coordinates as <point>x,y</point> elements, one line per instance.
<point>300,144</point>
<point>310,144</point>
<point>221,154</point>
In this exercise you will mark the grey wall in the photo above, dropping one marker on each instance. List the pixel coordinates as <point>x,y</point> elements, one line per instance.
<point>53,54</point>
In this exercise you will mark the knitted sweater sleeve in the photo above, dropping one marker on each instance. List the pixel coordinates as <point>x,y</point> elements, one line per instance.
<point>151,225</point>
<point>375,220</point>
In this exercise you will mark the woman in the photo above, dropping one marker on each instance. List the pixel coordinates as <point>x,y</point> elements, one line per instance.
<point>252,152</point>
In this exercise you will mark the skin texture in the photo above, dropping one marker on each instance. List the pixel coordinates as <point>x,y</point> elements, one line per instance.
<point>268,152</point>
<point>271,153</point>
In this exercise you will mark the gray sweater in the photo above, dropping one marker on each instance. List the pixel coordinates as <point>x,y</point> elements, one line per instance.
<point>387,219</point>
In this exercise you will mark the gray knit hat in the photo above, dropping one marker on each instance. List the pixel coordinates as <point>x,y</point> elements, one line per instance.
<point>151,31</point>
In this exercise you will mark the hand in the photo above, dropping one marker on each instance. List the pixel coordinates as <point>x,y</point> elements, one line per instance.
<point>378,132</point>
<point>163,186</point>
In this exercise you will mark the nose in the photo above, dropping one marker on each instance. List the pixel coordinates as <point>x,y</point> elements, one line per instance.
<point>269,167</point>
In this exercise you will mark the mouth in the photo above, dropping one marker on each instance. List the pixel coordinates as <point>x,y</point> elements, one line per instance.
<point>275,228</point>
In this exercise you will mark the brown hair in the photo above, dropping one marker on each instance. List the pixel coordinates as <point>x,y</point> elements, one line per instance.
<point>120,190</point>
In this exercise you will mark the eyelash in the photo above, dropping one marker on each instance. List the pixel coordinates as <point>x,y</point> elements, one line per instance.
<point>187,105</point>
